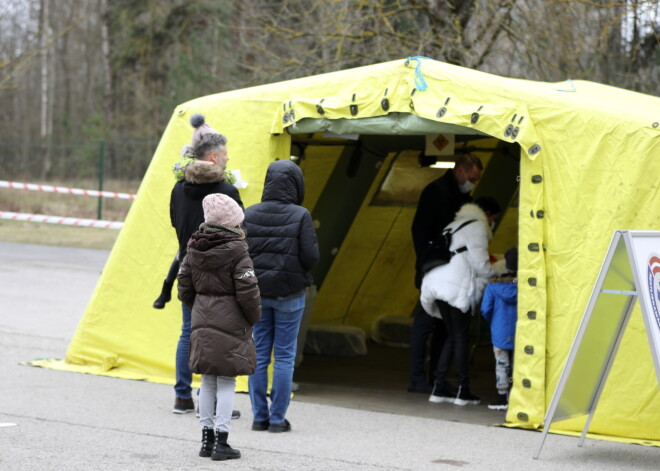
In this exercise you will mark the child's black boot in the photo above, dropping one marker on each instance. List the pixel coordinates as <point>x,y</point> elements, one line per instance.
<point>222,450</point>
<point>165,295</point>
<point>208,439</point>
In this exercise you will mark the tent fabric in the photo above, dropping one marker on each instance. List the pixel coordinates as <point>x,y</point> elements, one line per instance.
<point>589,162</point>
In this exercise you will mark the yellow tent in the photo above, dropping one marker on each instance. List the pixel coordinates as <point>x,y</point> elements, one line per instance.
<point>587,157</point>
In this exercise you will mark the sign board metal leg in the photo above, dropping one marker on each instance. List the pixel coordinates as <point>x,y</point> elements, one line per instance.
<point>606,372</point>
<point>615,248</point>
<point>631,268</point>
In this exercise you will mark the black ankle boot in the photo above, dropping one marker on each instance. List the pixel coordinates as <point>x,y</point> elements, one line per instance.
<point>222,450</point>
<point>208,439</point>
<point>165,295</point>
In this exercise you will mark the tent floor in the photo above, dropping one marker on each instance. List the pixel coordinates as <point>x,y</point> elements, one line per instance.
<point>378,382</point>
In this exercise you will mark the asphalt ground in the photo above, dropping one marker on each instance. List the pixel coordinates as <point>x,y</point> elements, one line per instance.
<point>52,420</point>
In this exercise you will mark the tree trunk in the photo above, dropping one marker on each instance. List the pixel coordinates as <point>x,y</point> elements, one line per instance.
<point>107,69</point>
<point>45,126</point>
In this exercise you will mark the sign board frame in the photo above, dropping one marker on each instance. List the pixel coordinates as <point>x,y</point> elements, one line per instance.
<point>630,271</point>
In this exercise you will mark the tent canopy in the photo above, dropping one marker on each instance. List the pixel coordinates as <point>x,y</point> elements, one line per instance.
<point>587,158</point>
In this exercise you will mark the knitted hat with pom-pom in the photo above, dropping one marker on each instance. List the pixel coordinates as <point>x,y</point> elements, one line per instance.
<point>201,128</point>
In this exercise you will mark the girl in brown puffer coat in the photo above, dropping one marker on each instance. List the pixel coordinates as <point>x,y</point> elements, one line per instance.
<point>217,282</point>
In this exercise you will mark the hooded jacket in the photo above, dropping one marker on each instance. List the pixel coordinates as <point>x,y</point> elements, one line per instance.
<point>461,282</point>
<point>186,212</point>
<point>438,205</point>
<point>280,233</point>
<point>217,281</point>
<point>499,308</point>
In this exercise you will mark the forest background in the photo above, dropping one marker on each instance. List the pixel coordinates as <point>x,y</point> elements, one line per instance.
<point>88,86</point>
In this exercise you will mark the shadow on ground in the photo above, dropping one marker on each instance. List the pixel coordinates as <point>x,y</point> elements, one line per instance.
<point>378,382</point>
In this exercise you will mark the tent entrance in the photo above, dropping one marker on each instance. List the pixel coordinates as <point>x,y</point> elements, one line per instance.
<point>344,159</point>
<point>363,181</point>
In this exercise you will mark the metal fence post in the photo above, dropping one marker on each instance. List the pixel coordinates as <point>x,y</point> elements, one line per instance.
<point>101,167</point>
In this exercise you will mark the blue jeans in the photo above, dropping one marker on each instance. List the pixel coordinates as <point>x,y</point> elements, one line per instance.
<point>182,387</point>
<point>276,333</point>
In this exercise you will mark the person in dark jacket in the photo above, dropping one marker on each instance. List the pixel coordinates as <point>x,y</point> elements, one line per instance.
<point>500,308</point>
<point>201,178</point>
<point>438,204</point>
<point>217,282</point>
<point>188,157</point>
<point>284,249</point>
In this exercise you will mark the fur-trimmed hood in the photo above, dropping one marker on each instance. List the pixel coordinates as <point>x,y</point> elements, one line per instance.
<point>200,176</point>
<point>201,171</point>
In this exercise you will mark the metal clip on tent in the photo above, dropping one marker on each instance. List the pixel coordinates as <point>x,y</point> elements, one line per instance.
<point>354,107</point>
<point>442,111</point>
<point>475,116</point>
<point>385,102</point>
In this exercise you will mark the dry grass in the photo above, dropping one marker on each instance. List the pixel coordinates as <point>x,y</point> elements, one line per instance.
<point>53,204</point>
<point>54,234</point>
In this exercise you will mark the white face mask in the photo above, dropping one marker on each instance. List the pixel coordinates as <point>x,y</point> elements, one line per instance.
<point>466,187</point>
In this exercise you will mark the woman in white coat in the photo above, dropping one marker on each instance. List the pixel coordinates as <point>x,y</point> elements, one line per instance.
<point>453,290</point>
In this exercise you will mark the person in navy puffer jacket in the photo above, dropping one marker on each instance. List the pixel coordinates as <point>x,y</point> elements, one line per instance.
<point>499,308</point>
<point>283,246</point>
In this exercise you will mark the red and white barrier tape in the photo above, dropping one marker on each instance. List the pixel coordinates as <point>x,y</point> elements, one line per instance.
<point>61,189</point>
<point>61,220</point>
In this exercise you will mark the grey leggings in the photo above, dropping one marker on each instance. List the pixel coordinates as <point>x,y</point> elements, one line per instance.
<point>216,397</point>
<point>503,365</point>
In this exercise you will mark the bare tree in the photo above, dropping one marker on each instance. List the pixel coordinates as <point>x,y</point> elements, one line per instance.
<point>115,69</point>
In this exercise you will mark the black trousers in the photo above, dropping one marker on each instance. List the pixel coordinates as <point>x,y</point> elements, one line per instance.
<point>455,348</point>
<point>425,325</point>
<point>173,271</point>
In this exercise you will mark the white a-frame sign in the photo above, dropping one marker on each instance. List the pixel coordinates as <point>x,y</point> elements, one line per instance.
<point>631,270</point>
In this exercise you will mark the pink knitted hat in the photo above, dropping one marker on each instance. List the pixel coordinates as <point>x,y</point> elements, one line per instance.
<point>201,128</point>
<point>222,210</point>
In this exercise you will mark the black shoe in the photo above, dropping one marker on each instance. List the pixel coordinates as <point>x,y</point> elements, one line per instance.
<point>501,403</point>
<point>222,450</point>
<point>465,397</point>
<point>442,393</point>
<point>165,295</point>
<point>279,428</point>
<point>208,439</point>
<point>183,406</point>
<point>424,388</point>
<point>260,425</point>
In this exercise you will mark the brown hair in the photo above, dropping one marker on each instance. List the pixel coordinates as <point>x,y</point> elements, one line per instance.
<point>468,162</point>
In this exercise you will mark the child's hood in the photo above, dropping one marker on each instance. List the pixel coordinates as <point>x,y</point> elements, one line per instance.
<point>507,291</point>
<point>215,250</point>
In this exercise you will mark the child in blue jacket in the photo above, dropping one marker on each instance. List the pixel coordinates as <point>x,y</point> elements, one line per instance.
<point>499,308</point>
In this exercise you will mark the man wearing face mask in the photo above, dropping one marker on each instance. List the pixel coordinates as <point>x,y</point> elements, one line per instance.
<point>437,207</point>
